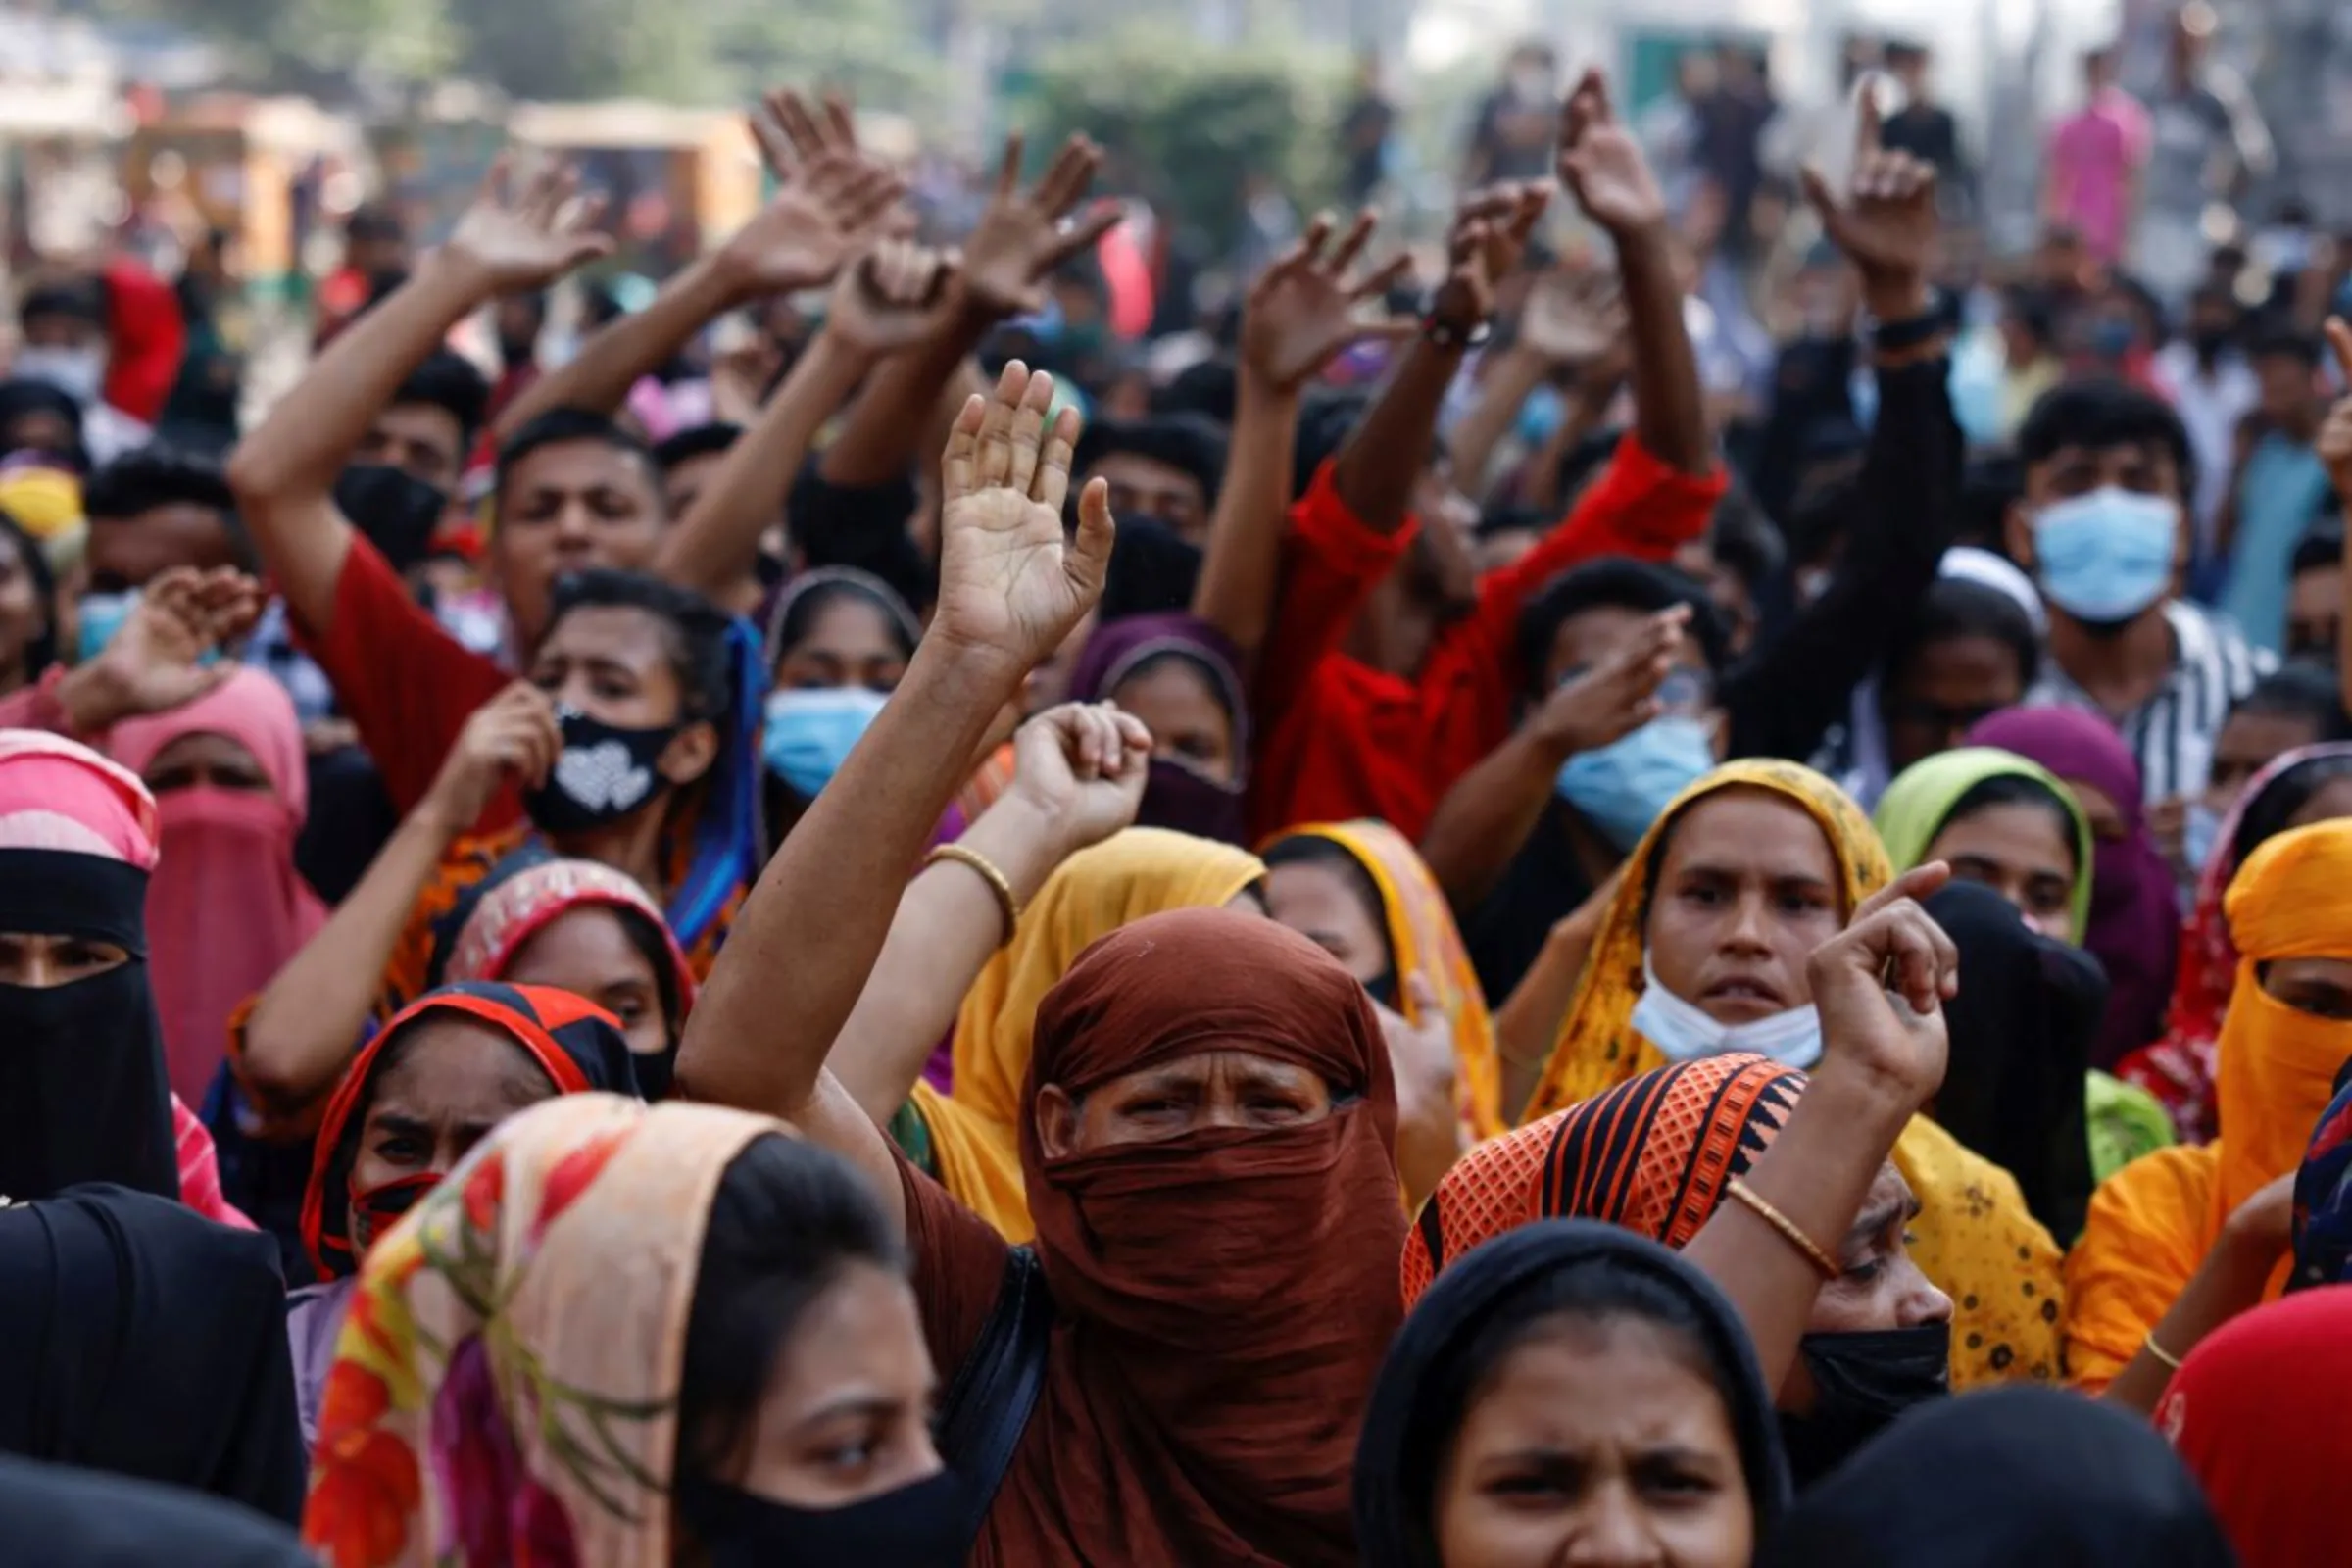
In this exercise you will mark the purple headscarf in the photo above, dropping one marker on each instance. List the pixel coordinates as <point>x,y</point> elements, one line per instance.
<point>2134,910</point>
<point>1178,796</point>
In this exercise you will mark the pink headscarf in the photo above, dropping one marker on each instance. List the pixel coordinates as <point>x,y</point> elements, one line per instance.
<point>58,795</point>
<point>227,909</point>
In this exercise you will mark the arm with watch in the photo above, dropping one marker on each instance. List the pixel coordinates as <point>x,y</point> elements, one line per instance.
<point>1904,506</point>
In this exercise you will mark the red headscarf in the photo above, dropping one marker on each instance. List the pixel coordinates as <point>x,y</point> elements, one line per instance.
<point>227,909</point>
<point>1225,1297</point>
<point>2257,1411</point>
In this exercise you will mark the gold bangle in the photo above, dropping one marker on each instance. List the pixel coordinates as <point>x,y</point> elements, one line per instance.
<point>1763,1210</point>
<point>2164,1357</point>
<point>1008,904</point>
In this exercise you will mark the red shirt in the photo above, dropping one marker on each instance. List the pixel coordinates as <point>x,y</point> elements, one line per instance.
<point>1340,739</point>
<point>406,685</point>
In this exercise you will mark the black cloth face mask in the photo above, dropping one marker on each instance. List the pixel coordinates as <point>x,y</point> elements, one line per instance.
<point>604,774</point>
<point>920,1525</point>
<point>1862,1382</point>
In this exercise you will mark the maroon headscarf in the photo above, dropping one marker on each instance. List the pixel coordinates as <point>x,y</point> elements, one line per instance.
<point>2134,910</point>
<point>1225,1297</point>
<point>1177,797</point>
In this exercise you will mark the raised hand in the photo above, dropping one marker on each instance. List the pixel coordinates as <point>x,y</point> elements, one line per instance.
<point>833,198</point>
<point>1885,219</point>
<point>154,662</point>
<point>1010,585</point>
<point>1617,695</point>
<point>525,232</point>
<point>1302,312</point>
<point>895,296</point>
<point>514,735</point>
<point>2334,445</point>
<point>1483,247</point>
<point>1024,235</point>
<point>1574,317</point>
<point>1879,986</point>
<point>1083,767</point>
<point>1603,166</point>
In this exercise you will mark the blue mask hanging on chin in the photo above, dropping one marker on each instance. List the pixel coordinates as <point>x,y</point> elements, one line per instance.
<point>810,733</point>
<point>2105,557</point>
<point>1622,788</point>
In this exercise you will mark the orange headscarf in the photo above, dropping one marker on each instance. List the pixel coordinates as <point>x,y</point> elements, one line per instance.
<point>1425,941</point>
<point>2153,1222</point>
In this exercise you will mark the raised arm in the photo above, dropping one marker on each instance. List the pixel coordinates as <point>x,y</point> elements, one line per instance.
<point>1300,315</point>
<point>1021,237</point>
<point>1572,320</point>
<point>1602,165</point>
<point>521,233</point>
<point>804,944</point>
<point>831,196</point>
<point>1078,779</point>
<point>304,1025</point>
<point>1880,986</point>
<point>1381,461</point>
<point>893,297</point>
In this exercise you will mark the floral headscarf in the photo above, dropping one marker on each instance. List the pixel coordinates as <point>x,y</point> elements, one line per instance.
<point>506,1390</point>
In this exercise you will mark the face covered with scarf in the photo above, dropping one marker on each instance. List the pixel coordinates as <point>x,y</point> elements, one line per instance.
<point>446,1070</point>
<point>1655,1155</point>
<point>1213,1177</point>
<point>1181,677</point>
<point>83,1095</point>
<point>1567,1343</point>
<point>226,908</point>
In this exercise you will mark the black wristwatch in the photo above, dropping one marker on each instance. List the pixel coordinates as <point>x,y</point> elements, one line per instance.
<point>1911,332</point>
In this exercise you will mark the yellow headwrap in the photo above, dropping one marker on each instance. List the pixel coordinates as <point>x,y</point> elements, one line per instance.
<point>1975,1236</point>
<point>1425,942</point>
<point>1596,1049</point>
<point>1143,871</point>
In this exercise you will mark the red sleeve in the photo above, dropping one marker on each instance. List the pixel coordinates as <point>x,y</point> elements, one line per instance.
<point>958,1267</point>
<point>35,706</point>
<point>147,337</point>
<point>404,684</point>
<point>1331,562</point>
<point>1640,507</point>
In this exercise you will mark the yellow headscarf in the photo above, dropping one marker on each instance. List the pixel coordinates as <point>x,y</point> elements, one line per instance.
<point>1974,1237</point>
<point>1425,942</point>
<point>1596,1049</point>
<point>2152,1224</point>
<point>1143,871</point>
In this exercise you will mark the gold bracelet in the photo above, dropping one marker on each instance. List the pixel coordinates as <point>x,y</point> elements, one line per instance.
<point>2164,1357</point>
<point>1008,902</point>
<point>1787,1227</point>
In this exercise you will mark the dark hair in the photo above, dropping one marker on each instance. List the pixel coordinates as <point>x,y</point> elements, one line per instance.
<point>2100,415</point>
<point>449,383</point>
<point>1313,848</point>
<point>788,1219</point>
<point>695,632</point>
<point>2031,309</point>
<point>2300,689</point>
<point>82,298</point>
<point>1326,416</point>
<point>1584,463</point>
<point>1190,443</point>
<point>2320,549</point>
<point>159,475</point>
<point>1623,584</point>
<point>1954,608</point>
<point>2266,815</point>
<point>1743,540</point>
<point>1207,389</point>
<point>563,426</point>
<point>40,651</point>
<point>2283,341</point>
<point>2017,789</point>
<point>695,441</point>
<point>376,221</point>
<point>1595,1291</point>
<point>798,612</point>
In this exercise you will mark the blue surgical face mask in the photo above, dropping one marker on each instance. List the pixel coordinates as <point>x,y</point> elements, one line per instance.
<point>1682,1030</point>
<point>1621,788</point>
<point>102,615</point>
<point>2105,557</point>
<point>810,733</point>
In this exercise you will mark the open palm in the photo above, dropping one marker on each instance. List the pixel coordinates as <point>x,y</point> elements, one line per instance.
<point>832,198</point>
<point>1602,164</point>
<point>1024,235</point>
<point>1573,317</point>
<point>1011,587</point>
<point>1303,311</point>
<point>527,232</point>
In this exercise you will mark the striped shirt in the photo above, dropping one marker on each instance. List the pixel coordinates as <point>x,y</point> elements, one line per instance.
<point>2172,733</point>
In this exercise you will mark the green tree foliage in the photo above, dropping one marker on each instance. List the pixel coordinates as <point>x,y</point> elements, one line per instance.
<point>1185,124</point>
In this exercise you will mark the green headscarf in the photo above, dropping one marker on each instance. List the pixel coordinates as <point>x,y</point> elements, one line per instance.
<point>1920,801</point>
